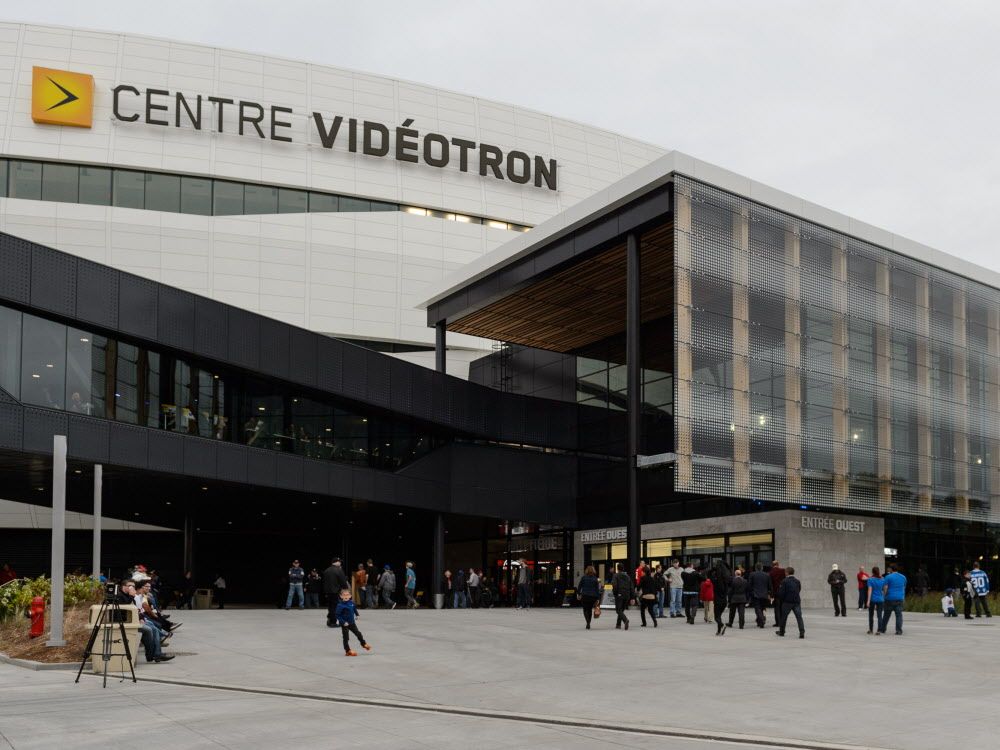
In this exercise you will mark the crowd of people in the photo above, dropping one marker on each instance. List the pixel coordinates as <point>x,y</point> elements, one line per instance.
<point>156,628</point>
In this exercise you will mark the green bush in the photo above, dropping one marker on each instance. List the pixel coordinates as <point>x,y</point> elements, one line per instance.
<point>16,595</point>
<point>931,602</point>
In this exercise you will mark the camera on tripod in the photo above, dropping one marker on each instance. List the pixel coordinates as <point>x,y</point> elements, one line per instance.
<point>111,591</point>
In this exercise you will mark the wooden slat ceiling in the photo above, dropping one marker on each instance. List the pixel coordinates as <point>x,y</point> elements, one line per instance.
<point>582,304</point>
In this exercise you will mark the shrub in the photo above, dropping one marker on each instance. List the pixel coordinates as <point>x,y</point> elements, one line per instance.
<point>16,595</point>
<point>931,602</point>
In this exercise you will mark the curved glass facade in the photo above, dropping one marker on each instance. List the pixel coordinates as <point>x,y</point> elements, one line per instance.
<point>814,367</point>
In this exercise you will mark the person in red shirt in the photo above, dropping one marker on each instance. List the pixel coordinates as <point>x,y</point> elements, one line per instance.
<point>638,572</point>
<point>862,588</point>
<point>777,574</point>
<point>707,597</point>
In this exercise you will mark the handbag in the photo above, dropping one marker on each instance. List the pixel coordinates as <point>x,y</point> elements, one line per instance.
<point>597,610</point>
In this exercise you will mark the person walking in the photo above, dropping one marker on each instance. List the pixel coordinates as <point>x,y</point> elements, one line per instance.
<point>777,575</point>
<point>410,586</point>
<point>623,590</point>
<point>220,591</point>
<point>789,601</point>
<point>523,585</point>
<point>760,592</point>
<point>981,585</point>
<point>346,615</point>
<point>675,580</point>
<point>448,589</point>
<point>588,591</point>
<point>875,598</point>
<point>862,577</point>
<point>387,586</point>
<point>895,594</point>
<point>474,582</point>
<point>461,599</point>
<point>314,585</point>
<point>359,582</point>
<point>706,595</point>
<point>738,594</point>
<point>692,588</point>
<point>334,581</point>
<point>661,589</point>
<point>647,596</point>
<point>721,578</point>
<point>296,577</point>
<point>838,583</point>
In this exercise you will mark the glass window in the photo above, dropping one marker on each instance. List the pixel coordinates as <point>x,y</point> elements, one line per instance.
<point>312,428</point>
<point>350,437</point>
<point>10,350</point>
<point>660,548</point>
<point>619,551</point>
<point>355,204</point>
<point>3,178</point>
<point>697,545</point>
<point>757,537</point>
<point>129,188</point>
<point>127,389</point>
<point>597,552</point>
<point>380,206</point>
<point>163,192</point>
<point>150,363</point>
<point>95,186</point>
<point>26,180</point>
<point>322,202</point>
<point>260,199</point>
<point>43,363</point>
<point>227,198</point>
<point>209,404</point>
<point>80,380</point>
<point>292,201</point>
<point>60,182</point>
<point>196,196</point>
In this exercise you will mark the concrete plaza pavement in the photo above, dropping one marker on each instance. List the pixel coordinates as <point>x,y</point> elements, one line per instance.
<point>839,685</point>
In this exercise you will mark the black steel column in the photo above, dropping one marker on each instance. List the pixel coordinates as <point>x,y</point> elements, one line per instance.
<point>188,544</point>
<point>440,348</point>
<point>633,353</point>
<point>437,560</point>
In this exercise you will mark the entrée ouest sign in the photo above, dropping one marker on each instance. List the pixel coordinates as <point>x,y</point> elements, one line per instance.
<point>170,109</point>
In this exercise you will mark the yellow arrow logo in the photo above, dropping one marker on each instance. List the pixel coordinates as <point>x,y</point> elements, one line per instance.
<point>61,97</point>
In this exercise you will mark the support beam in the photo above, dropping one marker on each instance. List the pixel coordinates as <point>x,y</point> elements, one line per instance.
<point>437,562</point>
<point>925,460</point>
<point>98,511</point>
<point>440,346</point>
<point>841,402</point>
<point>58,567</point>
<point>684,469</point>
<point>883,379</point>
<point>743,421</point>
<point>793,362</point>
<point>960,436</point>
<point>188,544</point>
<point>633,366</point>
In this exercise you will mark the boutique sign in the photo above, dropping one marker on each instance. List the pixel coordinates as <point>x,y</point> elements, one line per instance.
<point>404,142</point>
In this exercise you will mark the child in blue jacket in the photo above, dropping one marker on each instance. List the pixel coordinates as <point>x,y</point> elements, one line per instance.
<point>345,614</point>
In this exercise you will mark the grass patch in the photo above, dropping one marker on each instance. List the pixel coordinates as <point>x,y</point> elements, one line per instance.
<point>16,643</point>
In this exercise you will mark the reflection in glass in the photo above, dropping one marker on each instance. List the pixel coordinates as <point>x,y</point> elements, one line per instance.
<point>80,383</point>
<point>129,188</point>
<point>227,198</point>
<point>60,182</point>
<point>43,363</point>
<point>196,196</point>
<point>10,351</point>
<point>95,186</point>
<point>26,180</point>
<point>292,201</point>
<point>163,192</point>
<point>260,199</point>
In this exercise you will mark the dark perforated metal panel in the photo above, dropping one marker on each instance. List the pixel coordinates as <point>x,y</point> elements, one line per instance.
<point>11,425</point>
<point>261,468</point>
<point>303,356</point>
<point>315,476</point>
<point>363,484</point>
<point>88,438</point>
<point>15,260</point>
<point>329,364</point>
<point>39,427</point>
<point>289,471</point>
<point>200,457</point>
<point>401,386</point>
<point>137,306</point>
<point>97,294</point>
<point>274,348</point>
<point>53,281</point>
<point>175,318</point>
<point>341,480</point>
<point>378,379</point>
<point>355,371</point>
<point>129,445</point>
<point>244,338</point>
<point>422,397</point>
<point>231,462</point>
<point>211,328</point>
<point>166,452</point>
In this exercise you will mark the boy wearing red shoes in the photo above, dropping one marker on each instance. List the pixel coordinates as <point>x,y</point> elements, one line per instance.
<point>346,614</point>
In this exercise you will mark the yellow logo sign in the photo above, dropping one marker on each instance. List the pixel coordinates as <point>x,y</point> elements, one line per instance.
<point>59,97</point>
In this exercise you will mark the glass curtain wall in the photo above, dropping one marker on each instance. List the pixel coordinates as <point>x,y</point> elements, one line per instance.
<point>813,367</point>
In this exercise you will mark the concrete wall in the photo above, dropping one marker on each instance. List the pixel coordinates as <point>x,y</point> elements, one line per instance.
<point>826,538</point>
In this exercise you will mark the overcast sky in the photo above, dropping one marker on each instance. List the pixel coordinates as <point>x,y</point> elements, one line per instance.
<point>886,111</point>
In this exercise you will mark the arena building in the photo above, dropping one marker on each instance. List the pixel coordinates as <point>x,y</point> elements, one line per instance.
<point>214,265</point>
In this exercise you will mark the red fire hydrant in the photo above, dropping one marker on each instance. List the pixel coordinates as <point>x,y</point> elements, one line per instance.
<point>37,616</point>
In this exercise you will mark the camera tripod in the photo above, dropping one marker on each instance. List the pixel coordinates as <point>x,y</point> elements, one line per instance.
<point>106,624</point>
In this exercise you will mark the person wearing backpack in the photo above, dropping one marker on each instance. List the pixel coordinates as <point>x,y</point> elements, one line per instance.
<point>624,591</point>
<point>387,585</point>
